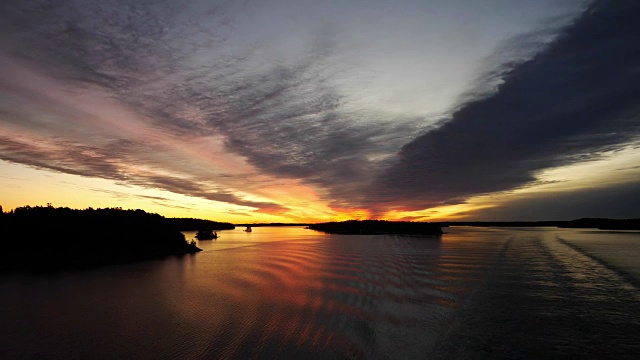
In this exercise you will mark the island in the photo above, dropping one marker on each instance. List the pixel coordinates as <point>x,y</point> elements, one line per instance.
<point>206,235</point>
<point>48,239</point>
<point>377,227</point>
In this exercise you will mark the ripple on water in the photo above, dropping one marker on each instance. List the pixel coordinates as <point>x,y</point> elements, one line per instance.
<point>283,293</point>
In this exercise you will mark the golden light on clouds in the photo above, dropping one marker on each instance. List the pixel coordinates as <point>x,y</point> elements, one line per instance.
<point>26,185</point>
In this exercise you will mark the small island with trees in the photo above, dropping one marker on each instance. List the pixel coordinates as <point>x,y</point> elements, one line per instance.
<point>44,239</point>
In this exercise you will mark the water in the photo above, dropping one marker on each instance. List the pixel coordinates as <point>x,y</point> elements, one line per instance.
<point>295,293</point>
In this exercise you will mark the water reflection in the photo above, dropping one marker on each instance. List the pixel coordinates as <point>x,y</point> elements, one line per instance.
<point>291,292</point>
<point>319,294</point>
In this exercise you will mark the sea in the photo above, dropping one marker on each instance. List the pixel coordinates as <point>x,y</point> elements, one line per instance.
<point>294,293</point>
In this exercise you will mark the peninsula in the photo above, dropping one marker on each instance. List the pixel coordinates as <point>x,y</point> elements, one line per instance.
<point>48,239</point>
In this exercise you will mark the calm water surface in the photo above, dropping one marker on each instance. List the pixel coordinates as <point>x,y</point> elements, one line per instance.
<point>295,293</point>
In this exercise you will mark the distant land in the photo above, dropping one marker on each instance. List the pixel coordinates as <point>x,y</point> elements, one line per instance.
<point>350,226</point>
<point>47,239</point>
<point>587,223</point>
<point>375,227</point>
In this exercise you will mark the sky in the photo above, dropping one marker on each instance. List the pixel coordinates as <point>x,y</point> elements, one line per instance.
<point>306,111</point>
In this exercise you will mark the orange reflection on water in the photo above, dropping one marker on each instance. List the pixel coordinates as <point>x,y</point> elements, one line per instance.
<point>299,288</point>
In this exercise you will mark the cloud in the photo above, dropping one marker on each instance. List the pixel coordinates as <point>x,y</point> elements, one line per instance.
<point>173,67</point>
<point>198,71</point>
<point>576,98</point>
<point>62,157</point>
<point>77,159</point>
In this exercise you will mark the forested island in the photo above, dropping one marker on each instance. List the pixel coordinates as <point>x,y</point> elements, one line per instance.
<point>377,227</point>
<point>48,239</point>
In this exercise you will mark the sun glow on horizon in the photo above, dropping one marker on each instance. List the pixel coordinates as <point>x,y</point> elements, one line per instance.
<point>29,186</point>
<point>25,185</point>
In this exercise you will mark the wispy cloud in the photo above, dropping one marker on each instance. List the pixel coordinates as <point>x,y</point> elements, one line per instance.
<point>71,158</point>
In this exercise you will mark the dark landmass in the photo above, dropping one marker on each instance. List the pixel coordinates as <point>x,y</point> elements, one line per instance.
<point>586,223</point>
<point>604,224</point>
<point>375,227</point>
<point>185,224</point>
<point>372,227</point>
<point>48,239</point>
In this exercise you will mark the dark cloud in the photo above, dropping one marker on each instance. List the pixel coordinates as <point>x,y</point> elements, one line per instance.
<point>576,98</point>
<point>114,43</point>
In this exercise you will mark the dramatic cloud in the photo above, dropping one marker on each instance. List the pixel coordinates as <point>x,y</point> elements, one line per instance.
<point>332,106</point>
<point>576,98</point>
